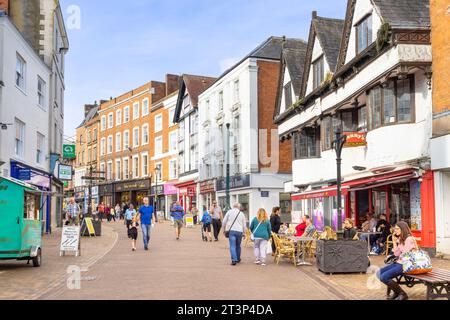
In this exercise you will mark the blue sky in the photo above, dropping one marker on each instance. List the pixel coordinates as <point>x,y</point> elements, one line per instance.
<point>121,45</point>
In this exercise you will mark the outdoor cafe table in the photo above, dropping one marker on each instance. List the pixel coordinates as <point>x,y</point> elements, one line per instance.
<point>300,241</point>
<point>369,233</point>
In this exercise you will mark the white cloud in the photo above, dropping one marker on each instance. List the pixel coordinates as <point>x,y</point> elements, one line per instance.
<point>227,63</point>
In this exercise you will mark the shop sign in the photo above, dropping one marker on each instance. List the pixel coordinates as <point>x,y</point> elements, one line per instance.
<point>64,172</point>
<point>241,181</point>
<point>355,139</point>
<point>207,187</point>
<point>170,189</point>
<point>191,192</point>
<point>160,190</point>
<point>265,194</point>
<point>105,189</point>
<point>24,174</point>
<point>35,177</point>
<point>69,151</point>
<point>133,185</point>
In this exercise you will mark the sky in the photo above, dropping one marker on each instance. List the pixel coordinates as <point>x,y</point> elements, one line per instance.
<point>116,46</point>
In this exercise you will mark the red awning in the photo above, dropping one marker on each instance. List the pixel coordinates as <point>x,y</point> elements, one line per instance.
<point>185,184</point>
<point>320,193</point>
<point>382,179</point>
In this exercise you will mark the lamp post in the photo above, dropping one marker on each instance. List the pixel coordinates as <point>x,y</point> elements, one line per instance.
<point>227,188</point>
<point>156,188</point>
<point>338,144</point>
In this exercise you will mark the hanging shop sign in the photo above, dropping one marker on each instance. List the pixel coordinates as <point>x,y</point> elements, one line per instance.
<point>355,139</point>
<point>207,186</point>
<point>69,151</point>
<point>64,172</point>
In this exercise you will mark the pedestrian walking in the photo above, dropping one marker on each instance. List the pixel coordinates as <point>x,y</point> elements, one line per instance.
<point>118,211</point>
<point>234,228</point>
<point>177,213</point>
<point>275,222</point>
<point>144,217</point>
<point>73,212</point>
<point>112,214</point>
<point>129,215</point>
<point>101,211</point>
<point>133,234</point>
<point>261,231</point>
<point>206,225</point>
<point>217,218</point>
<point>194,212</point>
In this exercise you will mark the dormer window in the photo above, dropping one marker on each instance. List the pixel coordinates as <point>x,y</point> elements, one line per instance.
<point>288,95</point>
<point>363,34</point>
<point>318,72</point>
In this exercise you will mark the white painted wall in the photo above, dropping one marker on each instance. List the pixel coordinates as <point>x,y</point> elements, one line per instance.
<point>362,8</point>
<point>442,201</point>
<point>440,152</point>
<point>317,52</point>
<point>15,103</point>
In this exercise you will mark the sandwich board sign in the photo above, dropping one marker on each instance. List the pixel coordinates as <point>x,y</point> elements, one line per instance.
<point>70,241</point>
<point>189,221</point>
<point>90,227</point>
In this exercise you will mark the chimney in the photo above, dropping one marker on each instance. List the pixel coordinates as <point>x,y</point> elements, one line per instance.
<point>314,14</point>
<point>4,6</point>
<point>172,83</point>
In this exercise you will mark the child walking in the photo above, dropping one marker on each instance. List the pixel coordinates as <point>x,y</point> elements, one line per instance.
<point>133,234</point>
<point>206,220</point>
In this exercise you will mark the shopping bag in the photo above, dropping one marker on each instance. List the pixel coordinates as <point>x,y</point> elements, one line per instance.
<point>416,262</point>
<point>269,247</point>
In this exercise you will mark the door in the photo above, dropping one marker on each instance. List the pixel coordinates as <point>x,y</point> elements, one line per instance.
<point>11,211</point>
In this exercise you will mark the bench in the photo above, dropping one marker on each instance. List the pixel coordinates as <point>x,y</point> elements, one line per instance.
<point>437,282</point>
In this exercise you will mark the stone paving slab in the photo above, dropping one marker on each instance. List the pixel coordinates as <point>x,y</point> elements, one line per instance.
<point>19,281</point>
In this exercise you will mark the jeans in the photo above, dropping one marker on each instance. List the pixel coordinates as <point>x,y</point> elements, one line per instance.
<point>146,228</point>
<point>216,226</point>
<point>261,250</point>
<point>235,245</point>
<point>389,272</point>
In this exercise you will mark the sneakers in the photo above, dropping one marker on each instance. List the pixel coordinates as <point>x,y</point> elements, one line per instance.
<point>263,264</point>
<point>146,248</point>
<point>257,262</point>
<point>233,263</point>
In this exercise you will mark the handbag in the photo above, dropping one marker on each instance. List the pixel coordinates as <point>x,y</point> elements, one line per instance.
<point>227,233</point>
<point>252,236</point>
<point>416,262</point>
<point>391,259</point>
<point>269,247</point>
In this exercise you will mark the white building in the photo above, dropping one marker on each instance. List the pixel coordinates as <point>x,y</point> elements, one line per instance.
<point>186,115</point>
<point>24,108</point>
<point>369,75</point>
<point>244,98</point>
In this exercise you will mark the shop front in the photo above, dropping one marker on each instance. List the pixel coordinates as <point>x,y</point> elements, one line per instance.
<point>80,194</point>
<point>170,194</point>
<point>187,194</point>
<point>403,195</point>
<point>207,194</point>
<point>158,198</point>
<point>106,194</point>
<point>94,198</point>
<point>39,179</point>
<point>240,191</point>
<point>132,191</point>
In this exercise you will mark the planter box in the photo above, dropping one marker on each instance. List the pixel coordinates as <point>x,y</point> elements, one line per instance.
<point>342,256</point>
<point>97,227</point>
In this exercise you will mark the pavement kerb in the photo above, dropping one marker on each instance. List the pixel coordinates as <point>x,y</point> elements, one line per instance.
<point>60,282</point>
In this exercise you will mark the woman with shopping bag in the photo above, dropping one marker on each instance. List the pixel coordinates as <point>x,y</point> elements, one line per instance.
<point>410,260</point>
<point>261,232</point>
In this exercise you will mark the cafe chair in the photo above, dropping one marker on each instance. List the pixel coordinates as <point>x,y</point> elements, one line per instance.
<point>389,245</point>
<point>312,245</point>
<point>284,248</point>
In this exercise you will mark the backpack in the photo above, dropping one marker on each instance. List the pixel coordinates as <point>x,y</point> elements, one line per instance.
<point>207,219</point>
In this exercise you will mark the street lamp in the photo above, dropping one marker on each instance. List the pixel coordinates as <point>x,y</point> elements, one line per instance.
<point>227,194</point>
<point>157,170</point>
<point>338,144</point>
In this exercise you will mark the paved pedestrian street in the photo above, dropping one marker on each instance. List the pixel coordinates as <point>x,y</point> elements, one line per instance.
<point>178,270</point>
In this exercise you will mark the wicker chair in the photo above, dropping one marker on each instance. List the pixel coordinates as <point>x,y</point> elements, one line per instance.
<point>312,245</point>
<point>284,248</point>
<point>389,244</point>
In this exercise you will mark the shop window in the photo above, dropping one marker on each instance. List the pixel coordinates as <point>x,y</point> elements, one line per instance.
<point>362,119</point>
<point>404,100</point>
<point>349,120</point>
<point>388,103</point>
<point>244,200</point>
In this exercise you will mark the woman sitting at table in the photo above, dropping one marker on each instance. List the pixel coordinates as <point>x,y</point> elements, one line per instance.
<point>350,231</point>
<point>300,229</point>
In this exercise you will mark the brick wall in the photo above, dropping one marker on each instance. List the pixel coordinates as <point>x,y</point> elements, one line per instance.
<point>4,5</point>
<point>268,77</point>
<point>172,83</point>
<point>440,33</point>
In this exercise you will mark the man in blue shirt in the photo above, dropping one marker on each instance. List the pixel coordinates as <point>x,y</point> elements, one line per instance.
<point>177,214</point>
<point>145,218</point>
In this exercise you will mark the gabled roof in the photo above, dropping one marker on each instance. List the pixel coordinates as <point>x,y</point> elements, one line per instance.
<point>329,33</point>
<point>91,114</point>
<point>404,14</point>
<point>399,14</point>
<point>292,60</point>
<point>269,49</point>
<point>194,86</point>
